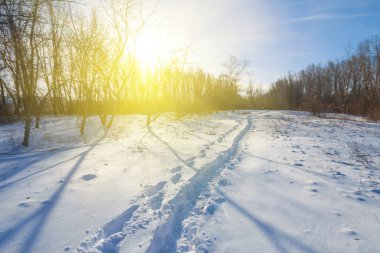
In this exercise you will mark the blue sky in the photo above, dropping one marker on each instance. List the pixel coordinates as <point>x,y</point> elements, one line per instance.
<point>276,36</point>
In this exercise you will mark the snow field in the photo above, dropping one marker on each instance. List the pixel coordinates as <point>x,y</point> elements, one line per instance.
<point>89,181</point>
<point>249,181</point>
<point>300,187</point>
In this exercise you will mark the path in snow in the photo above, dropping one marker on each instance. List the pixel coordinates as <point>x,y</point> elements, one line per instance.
<point>156,217</point>
<point>180,207</point>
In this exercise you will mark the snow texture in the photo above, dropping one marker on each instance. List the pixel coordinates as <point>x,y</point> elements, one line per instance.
<point>248,181</point>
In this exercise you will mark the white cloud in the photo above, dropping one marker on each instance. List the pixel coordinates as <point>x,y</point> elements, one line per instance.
<point>325,17</point>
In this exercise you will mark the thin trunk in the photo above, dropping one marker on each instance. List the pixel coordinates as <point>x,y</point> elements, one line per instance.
<point>83,124</point>
<point>111,121</point>
<point>3,94</point>
<point>103,119</point>
<point>148,120</point>
<point>38,117</point>
<point>28,122</point>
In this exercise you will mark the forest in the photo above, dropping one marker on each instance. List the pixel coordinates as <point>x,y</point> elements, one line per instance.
<point>350,85</point>
<point>58,60</point>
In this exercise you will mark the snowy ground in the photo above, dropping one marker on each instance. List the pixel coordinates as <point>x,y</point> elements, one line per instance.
<point>257,181</point>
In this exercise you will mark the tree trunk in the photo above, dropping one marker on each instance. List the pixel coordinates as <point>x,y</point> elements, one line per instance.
<point>103,119</point>
<point>38,117</point>
<point>148,120</point>
<point>28,121</point>
<point>83,124</point>
<point>4,102</point>
<point>111,121</point>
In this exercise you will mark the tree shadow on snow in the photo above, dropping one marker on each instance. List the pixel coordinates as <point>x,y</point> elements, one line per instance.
<point>22,162</point>
<point>283,242</point>
<point>172,150</point>
<point>35,221</point>
<point>6,183</point>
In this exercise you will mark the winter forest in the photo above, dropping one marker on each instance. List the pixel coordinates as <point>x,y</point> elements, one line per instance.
<point>110,142</point>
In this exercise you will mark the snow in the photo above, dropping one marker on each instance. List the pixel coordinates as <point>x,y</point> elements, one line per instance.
<point>248,181</point>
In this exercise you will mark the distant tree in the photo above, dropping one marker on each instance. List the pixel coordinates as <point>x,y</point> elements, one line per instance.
<point>350,85</point>
<point>234,68</point>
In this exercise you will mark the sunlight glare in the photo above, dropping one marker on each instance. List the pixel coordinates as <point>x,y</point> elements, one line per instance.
<point>149,50</point>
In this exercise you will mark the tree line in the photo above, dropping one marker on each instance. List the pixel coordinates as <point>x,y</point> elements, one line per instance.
<point>56,60</point>
<point>350,85</point>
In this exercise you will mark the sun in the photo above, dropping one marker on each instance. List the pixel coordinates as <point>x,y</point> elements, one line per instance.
<point>153,48</point>
<point>149,50</point>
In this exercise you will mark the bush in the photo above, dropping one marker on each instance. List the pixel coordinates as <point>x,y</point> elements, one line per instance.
<point>5,114</point>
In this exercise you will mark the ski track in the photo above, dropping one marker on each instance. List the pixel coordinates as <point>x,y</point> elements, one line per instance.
<point>180,207</point>
<point>148,210</point>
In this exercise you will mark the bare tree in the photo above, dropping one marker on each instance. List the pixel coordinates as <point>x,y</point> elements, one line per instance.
<point>21,31</point>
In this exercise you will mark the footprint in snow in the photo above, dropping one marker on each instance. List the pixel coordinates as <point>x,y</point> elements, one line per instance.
<point>89,177</point>
<point>360,199</point>
<point>210,207</point>
<point>223,182</point>
<point>156,201</point>
<point>24,204</point>
<point>176,169</point>
<point>348,232</point>
<point>270,171</point>
<point>152,190</point>
<point>338,174</point>
<point>190,162</point>
<point>176,177</point>
<point>356,197</point>
<point>311,189</point>
<point>116,224</point>
<point>312,182</point>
